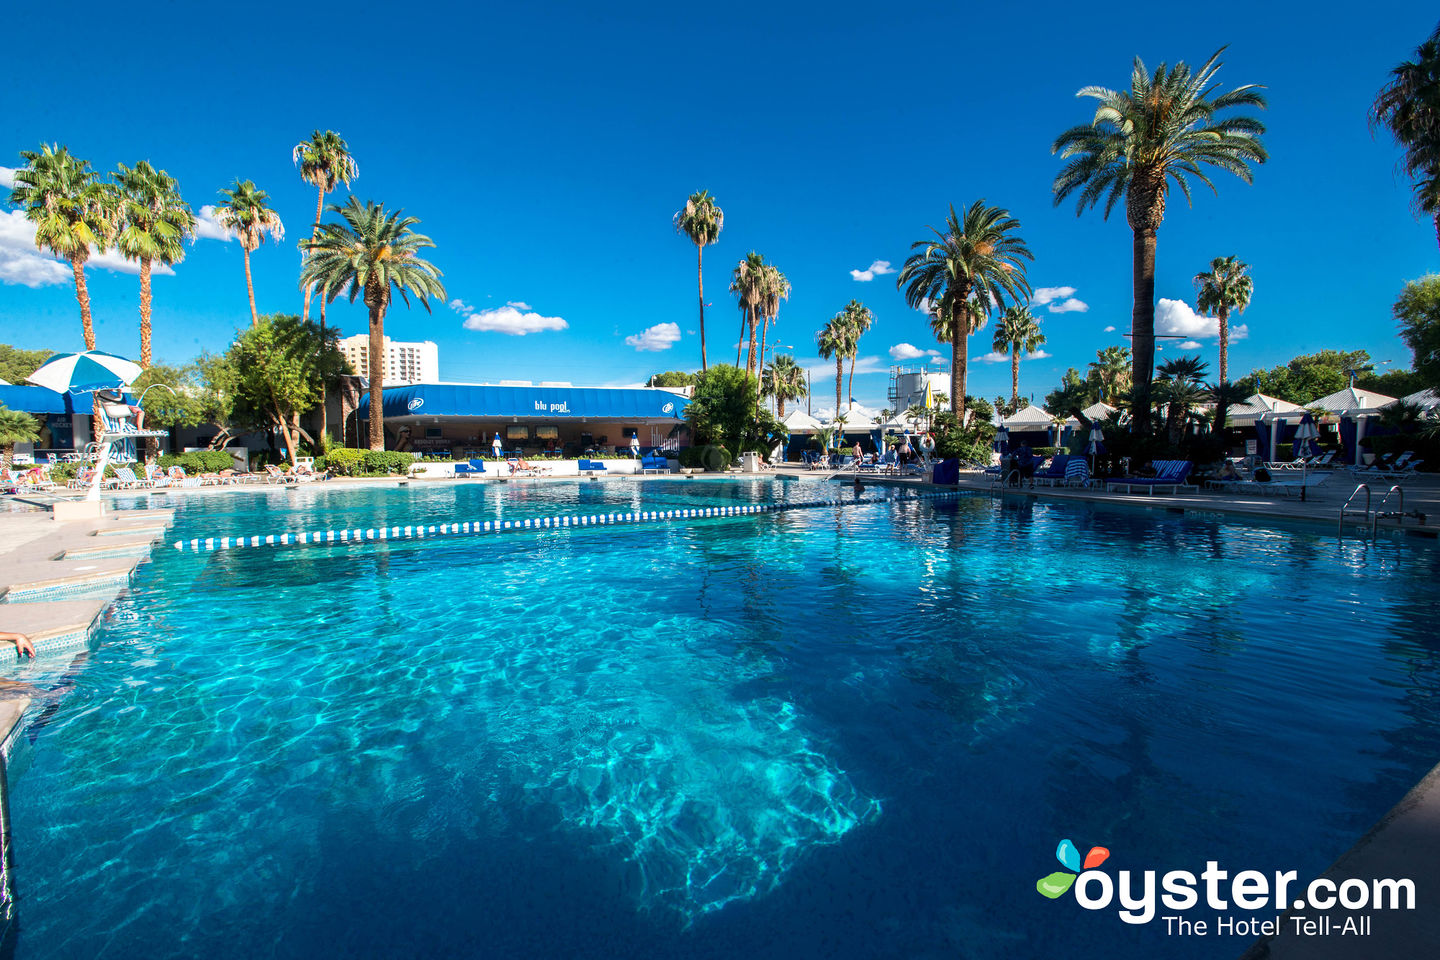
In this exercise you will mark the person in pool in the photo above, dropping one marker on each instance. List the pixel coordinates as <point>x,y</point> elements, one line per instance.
<point>22,643</point>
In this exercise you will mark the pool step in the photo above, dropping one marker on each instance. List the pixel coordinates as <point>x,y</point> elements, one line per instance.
<point>57,578</point>
<point>53,626</point>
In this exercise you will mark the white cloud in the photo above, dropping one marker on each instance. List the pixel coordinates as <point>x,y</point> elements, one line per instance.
<point>1190,345</point>
<point>518,305</point>
<point>824,370</point>
<point>1110,329</point>
<point>1069,305</point>
<point>1044,295</point>
<point>7,177</point>
<point>906,351</point>
<point>1176,318</point>
<point>22,264</point>
<point>876,269</point>
<point>510,321</point>
<point>460,306</point>
<point>208,228</point>
<point>996,357</point>
<point>662,336</point>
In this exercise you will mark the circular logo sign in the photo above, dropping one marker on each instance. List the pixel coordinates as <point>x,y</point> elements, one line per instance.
<point>415,403</point>
<point>668,408</point>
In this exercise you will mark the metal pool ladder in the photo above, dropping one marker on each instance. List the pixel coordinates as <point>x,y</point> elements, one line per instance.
<point>1340,524</point>
<point>1380,511</point>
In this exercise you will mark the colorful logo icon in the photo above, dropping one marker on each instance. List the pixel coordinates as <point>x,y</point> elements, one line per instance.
<point>1057,883</point>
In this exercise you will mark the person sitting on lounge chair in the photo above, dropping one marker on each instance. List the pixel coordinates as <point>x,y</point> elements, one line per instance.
<point>23,646</point>
<point>1228,472</point>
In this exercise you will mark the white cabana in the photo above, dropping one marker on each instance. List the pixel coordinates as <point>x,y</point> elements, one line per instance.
<point>1094,412</point>
<point>798,421</point>
<point>1426,400</point>
<point>858,419</point>
<point>1033,420</point>
<point>1257,406</point>
<point>1352,401</point>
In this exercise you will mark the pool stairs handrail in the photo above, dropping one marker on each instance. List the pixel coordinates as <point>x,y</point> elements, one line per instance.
<point>1345,508</point>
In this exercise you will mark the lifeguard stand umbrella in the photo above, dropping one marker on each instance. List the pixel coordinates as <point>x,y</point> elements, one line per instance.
<point>85,372</point>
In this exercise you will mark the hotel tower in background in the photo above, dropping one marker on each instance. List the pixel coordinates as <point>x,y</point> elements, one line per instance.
<point>404,362</point>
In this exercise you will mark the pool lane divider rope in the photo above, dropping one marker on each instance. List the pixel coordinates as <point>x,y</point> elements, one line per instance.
<point>479,527</point>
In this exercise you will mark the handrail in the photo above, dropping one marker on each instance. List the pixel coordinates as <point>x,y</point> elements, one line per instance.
<point>1340,523</point>
<point>1380,510</point>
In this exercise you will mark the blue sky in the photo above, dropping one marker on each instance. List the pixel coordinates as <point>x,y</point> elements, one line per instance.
<point>545,147</point>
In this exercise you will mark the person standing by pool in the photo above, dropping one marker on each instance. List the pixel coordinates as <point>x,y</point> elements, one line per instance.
<point>906,451</point>
<point>858,453</point>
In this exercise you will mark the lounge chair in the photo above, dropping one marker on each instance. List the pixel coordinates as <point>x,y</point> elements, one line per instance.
<point>1077,472</point>
<point>592,466</point>
<point>473,468</point>
<point>125,479</point>
<point>274,474</point>
<point>1168,473</point>
<point>654,463</point>
<point>1053,474</point>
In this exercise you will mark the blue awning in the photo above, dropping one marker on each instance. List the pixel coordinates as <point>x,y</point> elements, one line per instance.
<point>548,403</point>
<point>35,400</point>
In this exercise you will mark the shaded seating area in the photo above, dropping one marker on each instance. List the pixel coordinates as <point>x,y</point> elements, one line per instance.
<point>1168,473</point>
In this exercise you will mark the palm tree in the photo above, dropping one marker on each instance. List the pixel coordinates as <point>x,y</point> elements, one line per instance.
<point>980,254</point>
<point>1111,367</point>
<point>834,341</point>
<point>154,223</point>
<point>943,328</point>
<point>1409,105</point>
<point>371,253</point>
<point>15,427</point>
<point>701,221</point>
<point>1017,332</point>
<point>1224,395</point>
<point>73,212</point>
<point>774,288</point>
<point>1227,286</point>
<point>1179,389</point>
<point>860,319</point>
<point>784,380</point>
<point>246,210</point>
<point>325,163</point>
<point>748,284</point>
<point>1161,130</point>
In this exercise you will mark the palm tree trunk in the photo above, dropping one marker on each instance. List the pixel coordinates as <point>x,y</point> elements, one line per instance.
<point>324,392</point>
<point>740,340</point>
<point>850,384</point>
<point>700,274</point>
<point>960,319</point>
<point>82,294</point>
<point>779,404</point>
<point>839,377</point>
<point>250,289</point>
<point>1142,329</point>
<point>314,232</point>
<point>1014,374</point>
<point>152,444</point>
<point>1224,318</point>
<point>377,377</point>
<point>750,353</point>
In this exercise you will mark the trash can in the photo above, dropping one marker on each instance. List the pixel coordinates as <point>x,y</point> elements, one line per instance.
<point>750,463</point>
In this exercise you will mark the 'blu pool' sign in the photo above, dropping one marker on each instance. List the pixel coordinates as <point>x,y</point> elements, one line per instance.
<point>543,407</point>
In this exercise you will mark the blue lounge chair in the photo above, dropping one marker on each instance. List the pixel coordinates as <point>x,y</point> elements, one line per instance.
<point>653,463</point>
<point>473,468</point>
<point>1168,473</point>
<point>592,466</point>
<point>1053,474</point>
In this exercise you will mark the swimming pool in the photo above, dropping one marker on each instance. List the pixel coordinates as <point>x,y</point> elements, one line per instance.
<point>852,731</point>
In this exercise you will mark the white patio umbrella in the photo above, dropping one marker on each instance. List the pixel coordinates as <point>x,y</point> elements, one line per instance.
<point>1097,437</point>
<point>85,372</point>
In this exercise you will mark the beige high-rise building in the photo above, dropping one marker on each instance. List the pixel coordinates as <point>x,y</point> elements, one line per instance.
<point>404,362</point>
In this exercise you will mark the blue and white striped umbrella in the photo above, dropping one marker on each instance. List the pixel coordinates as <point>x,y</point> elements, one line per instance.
<point>84,372</point>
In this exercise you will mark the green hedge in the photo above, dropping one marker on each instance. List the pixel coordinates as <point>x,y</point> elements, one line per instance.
<point>198,461</point>
<point>346,462</point>
<point>706,457</point>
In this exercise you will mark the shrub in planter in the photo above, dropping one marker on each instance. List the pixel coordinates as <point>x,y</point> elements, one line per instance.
<point>345,462</point>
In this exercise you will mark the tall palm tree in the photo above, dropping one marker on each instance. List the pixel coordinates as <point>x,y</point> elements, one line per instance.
<point>979,254</point>
<point>1180,389</point>
<point>1111,367</point>
<point>784,380</point>
<point>1163,129</point>
<point>943,327</point>
<point>73,211</point>
<point>701,221</point>
<point>154,222</point>
<point>16,426</point>
<point>775,288</point>
<point>247,211</point>
<point>1224,395</point>
<point>1225,287</point>
<point>748,284</point>
<point>325,163</point>
<point>372,252</point>
<point>1017,332</point>
<point>834,341</point>
<point>1409,106</point>
<point>861,320</point>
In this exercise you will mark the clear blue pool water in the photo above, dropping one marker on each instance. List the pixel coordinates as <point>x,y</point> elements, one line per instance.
<point>840,732</point>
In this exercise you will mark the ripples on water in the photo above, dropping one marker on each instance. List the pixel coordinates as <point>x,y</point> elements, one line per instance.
<point>841,732</point>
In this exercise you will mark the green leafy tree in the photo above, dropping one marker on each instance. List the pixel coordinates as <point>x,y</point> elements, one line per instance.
<point>326,164</point>
<point>1409,107</point>
<point>1164,129</point>
<point>280,368</point>
<point>1224,396</point>
<point>979,255</point>
<point>1307,377</point>
<point>785,381</point>
<point>17,364</point>
<point>701,221</point>
<point>1178,388</point>
<point>1017,332</point>
<point>15,427</point>
<point>673,378</point>
<point>1074,394</point>
<point>1392,383</point>
<point>177,399</point>
<point>1224,288</point>
<point>373,253</point>
<point>1112,368</point>
<point>1418,311</point>
<point>74,212</point>
<point>246,210</point>
<point>722,410</point>
<point>154,222</point>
